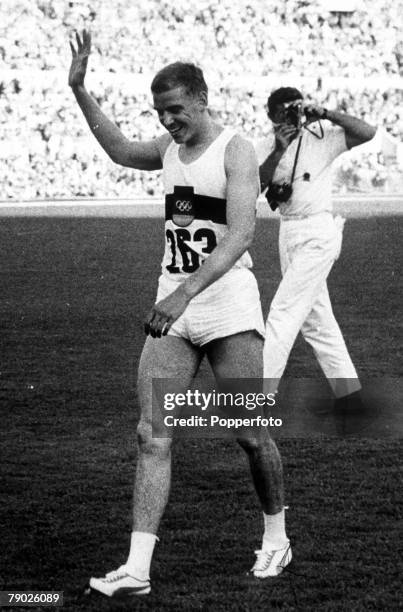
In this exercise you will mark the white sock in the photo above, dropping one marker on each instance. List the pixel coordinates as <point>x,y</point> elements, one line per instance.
<point>274,531</point>
<point>141,551</point>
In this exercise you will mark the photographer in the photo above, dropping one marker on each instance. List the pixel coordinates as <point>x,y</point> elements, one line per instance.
<point>295,169</point>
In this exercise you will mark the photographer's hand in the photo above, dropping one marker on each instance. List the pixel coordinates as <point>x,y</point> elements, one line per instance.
<point>314,112</point>
<point>284,134</point>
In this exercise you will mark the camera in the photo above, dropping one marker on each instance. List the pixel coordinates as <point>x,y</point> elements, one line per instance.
<point>278,193</point>
<point>310,116</point>
<point>293,112</point>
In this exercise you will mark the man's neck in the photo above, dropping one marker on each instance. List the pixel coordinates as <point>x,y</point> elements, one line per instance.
<point>207,133</point>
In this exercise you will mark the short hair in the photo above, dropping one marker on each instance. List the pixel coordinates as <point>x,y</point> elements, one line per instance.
<point>281,95</point>
<point>180,74</point>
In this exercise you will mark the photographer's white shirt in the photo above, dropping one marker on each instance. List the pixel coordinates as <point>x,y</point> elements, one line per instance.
<point>312,185</point>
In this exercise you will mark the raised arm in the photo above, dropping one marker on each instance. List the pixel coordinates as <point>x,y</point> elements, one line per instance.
<point>242,192</point>
<point>140,155</point>
<point>357,131</point>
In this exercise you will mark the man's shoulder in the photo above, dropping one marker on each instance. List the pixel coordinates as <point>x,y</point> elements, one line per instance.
<point>240,158</point>
<point>238,148</point>
<point>331,130</point>
<point>334,137</point>
<point>236,140</point>
<point>324,143</point>
<point>323,132</point>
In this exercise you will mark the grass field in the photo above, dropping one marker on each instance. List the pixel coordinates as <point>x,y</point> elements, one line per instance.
<point>74,293</point>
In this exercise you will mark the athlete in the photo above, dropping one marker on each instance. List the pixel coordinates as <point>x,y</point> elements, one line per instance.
<point>207,301</point>
<point>295,171</point>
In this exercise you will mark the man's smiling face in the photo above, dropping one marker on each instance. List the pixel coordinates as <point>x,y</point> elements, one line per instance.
<point>180,113</point>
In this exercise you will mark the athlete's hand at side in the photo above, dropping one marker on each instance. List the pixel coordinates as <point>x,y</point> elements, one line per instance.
<point>79,60</point>
<point>165,312</point>
<point>284,134</point>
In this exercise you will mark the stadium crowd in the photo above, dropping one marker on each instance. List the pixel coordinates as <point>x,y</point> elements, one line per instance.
<point>350,60</point>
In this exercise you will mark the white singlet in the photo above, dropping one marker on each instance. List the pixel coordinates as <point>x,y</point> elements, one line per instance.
<point>195,222</point>
<point>195,208</point>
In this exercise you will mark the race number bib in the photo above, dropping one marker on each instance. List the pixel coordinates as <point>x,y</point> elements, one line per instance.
<point>191,236</point>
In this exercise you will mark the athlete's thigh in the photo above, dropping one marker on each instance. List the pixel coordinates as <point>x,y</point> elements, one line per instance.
<point>237,356</point>
<point>169,357</point>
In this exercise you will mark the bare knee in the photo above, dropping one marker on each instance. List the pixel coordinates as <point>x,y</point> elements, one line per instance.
<point>256,442</point>
<point>249,444</point>
<point>149,445</point>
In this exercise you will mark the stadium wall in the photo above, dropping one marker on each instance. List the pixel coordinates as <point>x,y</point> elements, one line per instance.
<point>348,206</point>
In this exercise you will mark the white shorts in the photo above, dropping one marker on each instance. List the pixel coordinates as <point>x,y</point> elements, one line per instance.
<point>229,306</point>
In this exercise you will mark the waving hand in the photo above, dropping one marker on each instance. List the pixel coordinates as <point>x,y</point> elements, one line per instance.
<point>79,60</point>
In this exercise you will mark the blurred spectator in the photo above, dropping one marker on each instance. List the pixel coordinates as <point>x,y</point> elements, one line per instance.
<point>354,59</point>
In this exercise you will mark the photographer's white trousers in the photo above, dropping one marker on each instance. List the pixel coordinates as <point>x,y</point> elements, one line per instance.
<point>308,249</point>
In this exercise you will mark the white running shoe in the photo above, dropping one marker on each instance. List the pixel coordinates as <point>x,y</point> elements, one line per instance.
<point>270,563</point>
<point>120,584</point>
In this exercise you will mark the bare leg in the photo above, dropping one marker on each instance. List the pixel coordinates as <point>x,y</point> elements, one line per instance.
<point>267,472</point>
<point>167,357</point>
<point>241,356</point>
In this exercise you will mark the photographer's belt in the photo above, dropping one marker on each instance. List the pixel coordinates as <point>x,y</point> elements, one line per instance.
<point>307,216</point>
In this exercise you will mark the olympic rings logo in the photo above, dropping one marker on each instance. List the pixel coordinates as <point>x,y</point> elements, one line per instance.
<point>183,205</point>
